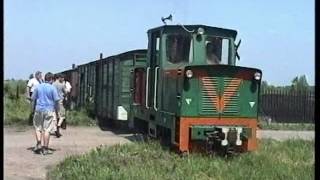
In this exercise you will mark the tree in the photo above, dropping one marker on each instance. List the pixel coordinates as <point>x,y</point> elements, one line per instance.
<point>264,86</point>
<point>300,83</point>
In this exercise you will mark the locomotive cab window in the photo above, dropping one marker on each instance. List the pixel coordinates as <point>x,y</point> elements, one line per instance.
<point>178,48</point>
<point>217,50</point>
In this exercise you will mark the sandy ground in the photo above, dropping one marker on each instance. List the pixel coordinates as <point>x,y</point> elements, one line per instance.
<point>22,163</point>
<point>284,135</point>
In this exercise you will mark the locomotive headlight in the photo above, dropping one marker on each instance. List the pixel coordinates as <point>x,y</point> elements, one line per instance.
<point>257,76</point>
<point>189,73</point>
<point>200,31</point>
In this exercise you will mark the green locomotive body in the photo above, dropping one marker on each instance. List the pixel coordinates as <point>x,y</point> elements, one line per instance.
<point>191,97</point>
<point>185,89</point>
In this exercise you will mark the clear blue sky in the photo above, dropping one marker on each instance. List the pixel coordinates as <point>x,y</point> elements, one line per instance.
<point>277,36</point>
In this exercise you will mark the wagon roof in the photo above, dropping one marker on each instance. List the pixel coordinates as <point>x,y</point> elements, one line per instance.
<point>136,51</point>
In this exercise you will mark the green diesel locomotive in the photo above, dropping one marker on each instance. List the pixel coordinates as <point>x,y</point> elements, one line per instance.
<point>184,89</point>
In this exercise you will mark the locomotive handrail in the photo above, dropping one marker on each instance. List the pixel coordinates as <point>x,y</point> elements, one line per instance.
<point>186,28</point>
<point>155,89</point>
<point>147,88</point>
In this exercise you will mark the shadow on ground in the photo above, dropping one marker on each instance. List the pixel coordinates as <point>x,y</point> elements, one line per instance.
<point>51,149</point>
<point>121,129</point>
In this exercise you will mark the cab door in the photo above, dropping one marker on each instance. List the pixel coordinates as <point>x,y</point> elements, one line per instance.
<point>153,72</point>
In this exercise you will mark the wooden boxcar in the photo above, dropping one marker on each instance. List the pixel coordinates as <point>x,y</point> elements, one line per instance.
<point>87,85</point>
<point>113,87</point>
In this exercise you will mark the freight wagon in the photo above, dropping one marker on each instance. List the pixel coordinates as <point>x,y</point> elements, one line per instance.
<point>113,88</point>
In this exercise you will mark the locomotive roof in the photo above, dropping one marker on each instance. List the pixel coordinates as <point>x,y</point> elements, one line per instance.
<point>168,28</point>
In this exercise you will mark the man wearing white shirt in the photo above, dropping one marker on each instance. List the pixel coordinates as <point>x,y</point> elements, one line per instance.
<point>32,83</point>
<point>68,86</point>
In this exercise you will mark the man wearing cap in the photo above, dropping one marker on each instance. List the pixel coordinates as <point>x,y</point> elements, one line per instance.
<point>45,99</point>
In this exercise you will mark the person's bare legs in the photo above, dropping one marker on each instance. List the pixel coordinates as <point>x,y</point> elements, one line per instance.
<point>58,134</point>
<point>49,124</point>
<point>46,138</point>
<point>38,135</point>
<point>37,132</point>
<point>60,119</point>
<point>60,122</point>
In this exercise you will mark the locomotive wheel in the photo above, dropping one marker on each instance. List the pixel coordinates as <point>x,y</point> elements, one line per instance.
<point>229,151</point>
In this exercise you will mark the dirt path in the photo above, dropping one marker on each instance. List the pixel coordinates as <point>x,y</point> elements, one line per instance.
<point>21,163</point>
<point>283,135</point>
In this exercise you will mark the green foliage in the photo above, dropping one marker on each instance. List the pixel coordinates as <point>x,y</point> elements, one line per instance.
<point>300,83</point>
<point>79,118</point>
<point>89,109</point>
<point>291,159</point>
<point>16,110</point>
<point>16,107</point>
<point>264,86</point>
<point>14,88</point>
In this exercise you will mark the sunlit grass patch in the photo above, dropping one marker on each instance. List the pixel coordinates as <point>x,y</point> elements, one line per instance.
<point>79,118</point>
<point>291,159</point>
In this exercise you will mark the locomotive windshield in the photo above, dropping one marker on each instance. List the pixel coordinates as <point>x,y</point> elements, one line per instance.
<point>178,48</point>
<point>217,50</point>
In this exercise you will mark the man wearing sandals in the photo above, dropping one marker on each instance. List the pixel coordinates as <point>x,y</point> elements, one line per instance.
<point>45,98</point>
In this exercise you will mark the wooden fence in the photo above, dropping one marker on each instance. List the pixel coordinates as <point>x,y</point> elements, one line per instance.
<point>288,106</point>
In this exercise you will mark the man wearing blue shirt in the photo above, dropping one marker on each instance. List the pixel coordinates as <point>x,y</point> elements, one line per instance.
<point>45,98</point>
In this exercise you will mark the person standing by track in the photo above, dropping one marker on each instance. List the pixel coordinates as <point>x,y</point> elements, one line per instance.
<point>67,97</point>
<point>33,82</point>
<point>61,88</point>
<point>45,99</point>
<point>31,86</point>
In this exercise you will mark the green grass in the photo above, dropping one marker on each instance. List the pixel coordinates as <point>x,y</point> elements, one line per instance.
<point>291,159</point>
<point>17,108</point>
<point>79,118</point>
<point>287,126</point>
<point>16,111</point>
